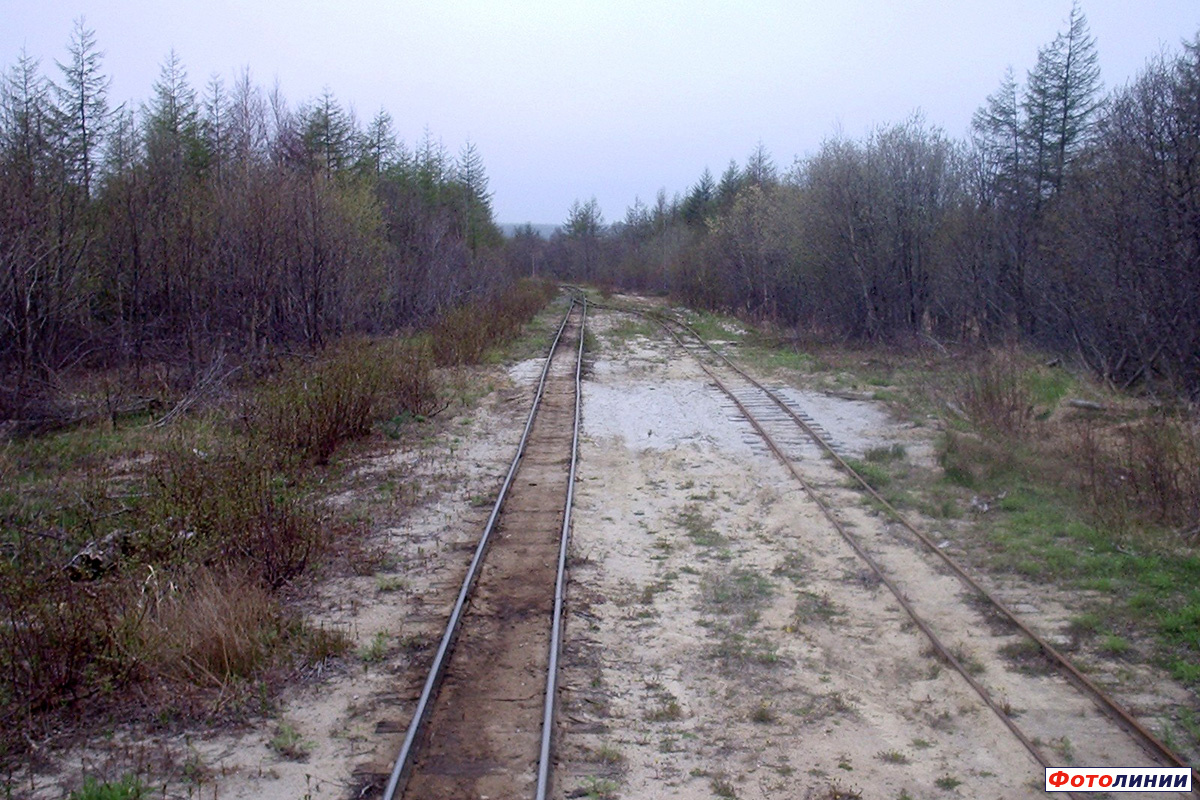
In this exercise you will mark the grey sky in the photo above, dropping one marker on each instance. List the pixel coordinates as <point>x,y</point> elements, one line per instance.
<point>568,99</point>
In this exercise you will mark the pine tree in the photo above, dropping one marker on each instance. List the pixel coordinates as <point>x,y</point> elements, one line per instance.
<point>700,201</point>
<point>216,124</point>
<point>1060,103</point>
<point>477,200</point>
<point>83,100</point>
<point>379,146</point>
<point>760,168</point>
<point>997,129</point>
<point>328,133</point>
<point>172,120</point>
<point>731,183</point>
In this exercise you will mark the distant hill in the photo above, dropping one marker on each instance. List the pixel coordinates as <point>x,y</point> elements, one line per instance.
<point>545,231</point>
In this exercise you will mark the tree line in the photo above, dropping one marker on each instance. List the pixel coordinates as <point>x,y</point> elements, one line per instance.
<point>1069,217</point>
<point>215,220</point>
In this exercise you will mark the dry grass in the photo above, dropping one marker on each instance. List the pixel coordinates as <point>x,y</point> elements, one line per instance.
<point>202,530</point>
<point>220,627</point>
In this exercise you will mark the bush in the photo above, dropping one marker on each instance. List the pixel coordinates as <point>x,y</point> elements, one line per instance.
<point>232,510</point>
<point>463,335</point>
<point>1148,470</point>
<point>312,408</point>
<point>996,397</point>
<point>59,640</point>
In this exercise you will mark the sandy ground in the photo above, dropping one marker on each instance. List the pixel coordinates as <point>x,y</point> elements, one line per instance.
<point>722,641</point>
<point>726,642</point>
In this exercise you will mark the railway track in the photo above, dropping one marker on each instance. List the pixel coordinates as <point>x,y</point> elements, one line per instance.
<point>484,722</point>
<point>777,422</point>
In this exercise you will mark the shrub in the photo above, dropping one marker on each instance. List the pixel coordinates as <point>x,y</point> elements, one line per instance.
<point>310,409</point>
<point>1148,470</point>
<point>463,334</point>
<point>230,509</point>
<point>996,396</point>
<point>59,640</point>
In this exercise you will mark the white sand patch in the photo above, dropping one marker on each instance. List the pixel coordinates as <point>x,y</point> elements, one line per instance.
<point>660,416</point>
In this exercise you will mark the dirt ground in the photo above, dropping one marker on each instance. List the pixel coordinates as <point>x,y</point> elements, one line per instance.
<point>722,641</point>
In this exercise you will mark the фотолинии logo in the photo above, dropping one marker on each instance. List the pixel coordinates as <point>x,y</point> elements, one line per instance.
<point>1117,779</point>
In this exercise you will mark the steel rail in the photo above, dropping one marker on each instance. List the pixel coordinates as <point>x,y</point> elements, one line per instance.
<point>560,583</point>
<point>1114,710</point>
<point>403,765</point>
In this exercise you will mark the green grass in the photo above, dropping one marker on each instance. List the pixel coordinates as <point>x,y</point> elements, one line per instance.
<point>721,787</point>
<point>948,783</point>
<point>757,354</point>
<point>735,650</point>
<point>893,757</point>
<point>736,588</point>
<point>375,650</point>
<point>289,743</point>
<point>885,454</point>
<point>1042,538</point>
<point>1047,386</point>
<point>812,606</point>
<point>598,788</point>
<point>876,475</point>
<point>128,788</point>
<point>717,327</point>
<point>630,328</point>
<point>390,583</point>
<point>699,527</point>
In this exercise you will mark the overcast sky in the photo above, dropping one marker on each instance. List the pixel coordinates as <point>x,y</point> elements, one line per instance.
<point>570,99</point>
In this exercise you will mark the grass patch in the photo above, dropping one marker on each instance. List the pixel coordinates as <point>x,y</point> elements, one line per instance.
<point>288,743</point>
<point>598,788</point>
<point>630,328</point>
<point>812,606</point>
<point>876,475</point>
<point>698,527</point>
<point>666,708</point>
<point>715,327</point>
<point>739,592</point>
<point>129,787</point>
<point>1042,537</point>
<point>947,783</point>
<point>390,583</point>
<point>1027,656</point>
<point>763,714</point>
<point>893,757</point>
<point>608,754</point>
<point>722,787</point>
<point>375,650</point>
<point>736,650</point>
<point>886,454</point>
